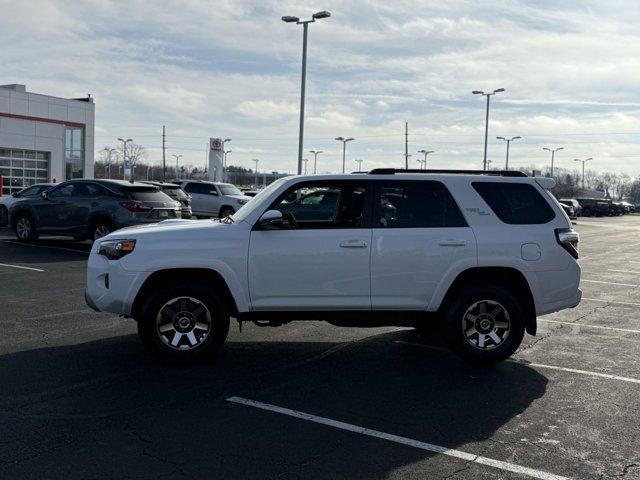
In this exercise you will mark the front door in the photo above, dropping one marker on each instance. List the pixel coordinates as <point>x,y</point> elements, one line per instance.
<point>419,238</point>
<point>58,212</point>
<point>320,259</point>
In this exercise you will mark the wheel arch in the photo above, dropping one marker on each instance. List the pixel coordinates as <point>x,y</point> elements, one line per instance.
<point>20,210</point>
<point>508,278</point>
<point>169,276</point>
<point>223,206</point>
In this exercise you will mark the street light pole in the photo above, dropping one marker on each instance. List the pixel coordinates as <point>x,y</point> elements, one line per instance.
<point>177,157</point>
<point>109,152</point>
<point>553,152</point>
<point>124,159</point>
<point>508,140</point>
<point>423,163</point>
<point>306,161</point>
<point>583,162</point>
<point>256,171</point>
<point>359,161</point>
<point>486,123</point>
<point>305,25</point>
<point>344,148</point>
<point>224,159</point>
<point>315,159</point>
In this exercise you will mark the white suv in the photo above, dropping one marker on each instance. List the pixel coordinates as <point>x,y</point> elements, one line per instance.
<point>479,255</point>
<point>213,199</point>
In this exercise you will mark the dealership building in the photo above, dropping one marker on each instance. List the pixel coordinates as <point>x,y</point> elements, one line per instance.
<point>44,138</point>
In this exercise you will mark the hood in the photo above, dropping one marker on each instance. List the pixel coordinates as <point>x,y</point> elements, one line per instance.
<point>240,197</point>
<point>176,227</point>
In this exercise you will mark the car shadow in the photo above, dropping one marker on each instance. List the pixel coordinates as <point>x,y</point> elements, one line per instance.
<point>104,409</point>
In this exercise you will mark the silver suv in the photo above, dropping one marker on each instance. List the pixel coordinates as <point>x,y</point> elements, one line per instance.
<point>212,199</point>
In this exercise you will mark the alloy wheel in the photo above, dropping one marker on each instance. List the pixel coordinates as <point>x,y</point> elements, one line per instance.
<point>486,324</point>
<point>23,228</point>
<point>183,323</point>
<point>101,231</point>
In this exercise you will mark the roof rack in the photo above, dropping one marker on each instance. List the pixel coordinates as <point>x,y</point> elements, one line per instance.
<point>498,173</point>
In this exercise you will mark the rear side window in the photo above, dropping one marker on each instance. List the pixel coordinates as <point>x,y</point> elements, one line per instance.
<point>419,204</point>
<point>147,195</point>
<point>515,203</point>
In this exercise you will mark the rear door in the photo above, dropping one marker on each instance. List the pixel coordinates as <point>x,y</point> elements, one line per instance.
<point>419,237</point>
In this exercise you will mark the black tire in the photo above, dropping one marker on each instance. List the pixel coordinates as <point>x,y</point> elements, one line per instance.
<point>225,212</point>
<point>150,320</point>
<point>24,228</point>
<point>4,216</point>
<point>100,227</point>
<point>587,212</point>
<point>470,347</point>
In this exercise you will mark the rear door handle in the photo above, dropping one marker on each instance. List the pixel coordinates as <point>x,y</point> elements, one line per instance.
<point>452,243</point>
<point>95,204</point>
<point>353,244</point>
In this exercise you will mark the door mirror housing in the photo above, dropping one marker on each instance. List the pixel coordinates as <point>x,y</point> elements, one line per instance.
<point>44,196</point>
<point>15,195</point>
<point>271,220</point>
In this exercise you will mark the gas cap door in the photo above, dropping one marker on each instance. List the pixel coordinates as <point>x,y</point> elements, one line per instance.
<point>531,252</point>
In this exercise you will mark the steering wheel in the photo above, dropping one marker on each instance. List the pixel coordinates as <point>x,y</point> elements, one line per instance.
<point>291,220</point>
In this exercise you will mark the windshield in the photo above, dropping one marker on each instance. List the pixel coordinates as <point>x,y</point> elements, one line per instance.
<point>228,189</point>
<point>256,202</point>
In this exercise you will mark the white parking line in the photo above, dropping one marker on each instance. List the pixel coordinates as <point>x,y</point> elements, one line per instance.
<point>540,365</point>
<point>45,246</point>
<point>611,283</point>
<point>590,326</point>
<point>467,457</point>
<point>630,304</point>
<point>623,271</point>
<point>20,266</point>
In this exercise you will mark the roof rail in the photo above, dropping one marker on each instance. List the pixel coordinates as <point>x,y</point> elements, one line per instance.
<point>499,173</point>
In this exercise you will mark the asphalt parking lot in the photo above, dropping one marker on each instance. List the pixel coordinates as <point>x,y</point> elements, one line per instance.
<point>81,399</point>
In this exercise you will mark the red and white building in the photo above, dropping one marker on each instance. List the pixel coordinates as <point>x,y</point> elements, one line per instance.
<point>44,138</point>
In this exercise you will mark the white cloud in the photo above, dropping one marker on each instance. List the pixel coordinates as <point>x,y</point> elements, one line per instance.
<point>266,109</point>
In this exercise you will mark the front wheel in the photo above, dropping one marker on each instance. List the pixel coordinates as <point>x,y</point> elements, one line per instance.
<point>226,212</point>
<point>485,324</point>
<point>25,229</point>
<point>183,324</point>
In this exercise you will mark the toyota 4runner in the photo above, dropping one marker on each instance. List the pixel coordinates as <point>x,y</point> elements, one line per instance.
<point>475,256</point>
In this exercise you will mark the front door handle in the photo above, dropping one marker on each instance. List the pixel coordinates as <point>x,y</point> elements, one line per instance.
<point>95,204</point>
<point>452,243</point>
<point>353,244</point>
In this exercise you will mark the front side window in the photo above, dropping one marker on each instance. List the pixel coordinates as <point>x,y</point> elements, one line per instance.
<point>228,189</point>
<point>417,204</point>
<point>66,190</point>
<point>515,203</point>
<point>323,205</point>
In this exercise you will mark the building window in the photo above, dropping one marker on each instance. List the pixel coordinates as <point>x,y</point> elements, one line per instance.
<point>74,152</point>
<point>22,168</point>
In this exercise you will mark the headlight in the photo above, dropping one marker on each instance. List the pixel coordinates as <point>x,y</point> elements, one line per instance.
<point>242,202</point>
<point>114,249</point>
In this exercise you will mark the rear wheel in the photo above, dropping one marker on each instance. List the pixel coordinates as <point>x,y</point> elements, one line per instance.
<point>24,228</point>
<point>485,324</point>
<point>100,228</point>
<point>183,324</point>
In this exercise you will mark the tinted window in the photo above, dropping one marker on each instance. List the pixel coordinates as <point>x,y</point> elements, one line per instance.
<point>228,189</point>
<point>323,206</point>
<point>67,190</point>
<point>417,204</point>
<point>31,191</point>
<point>147,195</point>
<point>174,192</point>
<point>205,188</point>
<point>515,203</point>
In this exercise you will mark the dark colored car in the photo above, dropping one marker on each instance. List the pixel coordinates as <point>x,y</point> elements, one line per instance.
<point>617,208</point>
<point>6,202</point>
<point>90,209</point>
<point>574,203</point>
<point>179,195</point>
<point>594,207</point>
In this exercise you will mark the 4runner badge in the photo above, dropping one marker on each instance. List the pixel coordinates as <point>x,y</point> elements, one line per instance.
<point>478,211</point>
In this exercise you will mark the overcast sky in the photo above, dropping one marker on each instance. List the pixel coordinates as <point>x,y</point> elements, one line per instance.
<point>571,71</point>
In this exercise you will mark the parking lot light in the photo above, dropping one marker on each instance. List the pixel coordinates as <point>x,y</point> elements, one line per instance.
<point>553,151</point>
<point>486,124</point>
<point>344,148</point>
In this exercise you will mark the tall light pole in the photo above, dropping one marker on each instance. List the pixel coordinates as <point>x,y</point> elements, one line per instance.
<point>224,159</point>
<point>306,161</point>
<point>177,157</point>
<point>315,159</point>
<point>359,161</point>
<point>344,148</point>
<point>486,124</point>
<point>583,162</point>
<point>423,163</point>
<point>109,152</point>
<point>305,25</point>
<point>508,140</point>
<point>124,158</point>
<point>553,153</point>
<point>256,171</point>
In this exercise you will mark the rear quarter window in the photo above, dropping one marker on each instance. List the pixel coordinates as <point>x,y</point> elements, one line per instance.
<point>515,203</point>
<point>147,195</point>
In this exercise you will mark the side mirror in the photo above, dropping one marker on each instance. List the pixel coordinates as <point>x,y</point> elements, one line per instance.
<point>15,194</point>
<point>44,196</point>
<point>213,192</point>
<point>271,220</point>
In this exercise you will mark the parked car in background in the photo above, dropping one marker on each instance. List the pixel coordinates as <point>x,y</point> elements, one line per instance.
<point>616,208</point>
<point>475,256</point>
<point>628,206</point>
<point>569,210</point>
<point>90,209</point>
<point>594,207</point>
<point>574,203</point>
<point>175,191</point>
<point>7,201</point>
<point>249,192</point>
<point>214,199</point>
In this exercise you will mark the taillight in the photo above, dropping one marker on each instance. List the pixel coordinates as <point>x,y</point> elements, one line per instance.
<point>568,239</point>
<point>135,207</point>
